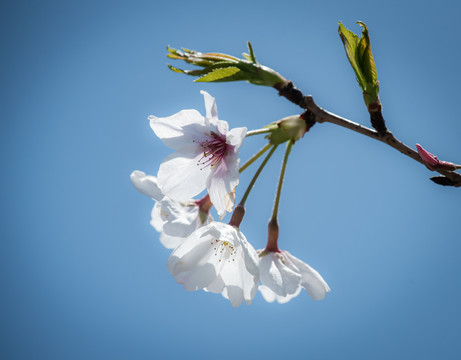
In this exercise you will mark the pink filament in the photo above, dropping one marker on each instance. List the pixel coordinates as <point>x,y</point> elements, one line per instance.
<point>215,149</point>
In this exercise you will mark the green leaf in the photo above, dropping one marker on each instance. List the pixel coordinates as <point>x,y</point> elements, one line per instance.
<point>246,56</point>
<point>252,54</point>
<point>172,68</point>
<point>369,67</point>
<point>358,51</point>
<point>351,43</point>
<point>218,67</point>
<point>219,74</point>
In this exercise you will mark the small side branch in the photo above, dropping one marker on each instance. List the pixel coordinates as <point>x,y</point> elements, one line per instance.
<point>315,112</point>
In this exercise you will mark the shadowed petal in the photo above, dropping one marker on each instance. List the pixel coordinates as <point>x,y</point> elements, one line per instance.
<point>170,242</point>
<point>179,219</point>
<point>221,184</point>
<point>312,281</point>
<point>277,276</point>
<point>179,176</point>
<point>271,296</point>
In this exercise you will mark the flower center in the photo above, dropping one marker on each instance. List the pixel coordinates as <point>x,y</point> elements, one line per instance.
<point>214,150</point>
<point>224,250</point>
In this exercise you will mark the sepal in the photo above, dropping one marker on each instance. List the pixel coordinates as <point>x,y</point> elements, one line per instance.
<point>289,128</point>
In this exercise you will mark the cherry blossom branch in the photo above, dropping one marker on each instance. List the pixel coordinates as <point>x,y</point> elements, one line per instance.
<point>316,113</point>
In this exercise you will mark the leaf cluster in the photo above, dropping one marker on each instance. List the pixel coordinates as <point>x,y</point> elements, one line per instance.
<point>217,67</point>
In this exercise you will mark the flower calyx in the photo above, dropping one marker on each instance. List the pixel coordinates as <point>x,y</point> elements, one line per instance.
<point>237,216</point>
<point>289,128</point>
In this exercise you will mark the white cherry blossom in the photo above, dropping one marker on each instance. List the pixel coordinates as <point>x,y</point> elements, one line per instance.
<point>283,276</point>
<point>174,220</point>
<point>206,155</point>
<point>217,258</point>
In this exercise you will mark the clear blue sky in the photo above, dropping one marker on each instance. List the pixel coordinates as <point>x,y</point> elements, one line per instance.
<point>83,274</point>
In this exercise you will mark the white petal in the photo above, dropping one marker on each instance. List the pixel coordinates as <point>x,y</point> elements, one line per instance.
<point>218,188</point>
<point>170,242</point>
<point>179,176</point>
<point>146,184</point>
<point>199,278</point>
<point>156,217</point>
<point>188,262</point>
<point>217,286</point>
<point>251,258</point>
<point>179,219</point>
<point>192,252</point>
<point>312,281</point>
<point>267,293</point>
<point>235,137</point>
<point>250,284</point>
<point>222,127</point>
<point>235,295</point>
<point>240,275</point>
<point>221,184</point>
<point>180,129</point>
<point>210,105</point>
<point>234,284</point>
<point>277,276</point>
<point>270,296</point>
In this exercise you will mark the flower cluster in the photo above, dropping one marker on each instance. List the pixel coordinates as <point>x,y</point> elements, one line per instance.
<point>207,254</point>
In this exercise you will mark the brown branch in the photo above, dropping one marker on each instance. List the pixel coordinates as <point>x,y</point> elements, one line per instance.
<point>317,114</point>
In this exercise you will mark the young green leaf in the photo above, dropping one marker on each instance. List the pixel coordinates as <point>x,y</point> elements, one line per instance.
<point>217,67</point>
<point>221,74</point>
<point>358,51</point>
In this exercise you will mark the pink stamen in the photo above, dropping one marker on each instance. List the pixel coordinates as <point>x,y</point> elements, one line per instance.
<point>215,149</point>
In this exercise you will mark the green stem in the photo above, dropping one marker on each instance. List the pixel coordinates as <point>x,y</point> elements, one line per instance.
<point>255,177</point>
<point>254,157</point>
<point>258,131</point>
<point>282,175</point>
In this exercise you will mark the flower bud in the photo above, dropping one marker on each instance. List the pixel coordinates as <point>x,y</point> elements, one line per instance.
<point>433,163</point>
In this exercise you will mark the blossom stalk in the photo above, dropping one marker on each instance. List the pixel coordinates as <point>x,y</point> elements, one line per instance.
<point>255,157</point>
<point>256,175</point>
<point>259,131</point>
<point>282,175</point>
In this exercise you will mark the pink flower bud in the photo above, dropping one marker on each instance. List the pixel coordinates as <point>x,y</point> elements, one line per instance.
<point>432,162</point>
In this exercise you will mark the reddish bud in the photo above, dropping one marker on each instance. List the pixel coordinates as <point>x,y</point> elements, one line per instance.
<point>432,162</point>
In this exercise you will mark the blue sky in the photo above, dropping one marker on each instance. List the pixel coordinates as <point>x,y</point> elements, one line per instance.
<point>83,274</point>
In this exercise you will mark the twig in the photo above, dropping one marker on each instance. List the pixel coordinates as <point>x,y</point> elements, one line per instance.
<point>315,112</point>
